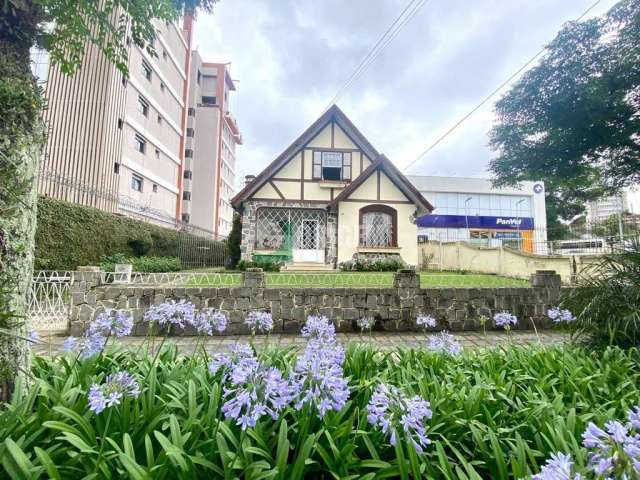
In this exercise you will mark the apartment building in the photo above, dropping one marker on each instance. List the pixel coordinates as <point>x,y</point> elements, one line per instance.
<point>212,135</point>
<point>127,145</point>
<point>626,202</point>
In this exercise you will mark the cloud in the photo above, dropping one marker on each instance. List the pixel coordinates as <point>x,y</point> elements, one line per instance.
<point>292,56</point>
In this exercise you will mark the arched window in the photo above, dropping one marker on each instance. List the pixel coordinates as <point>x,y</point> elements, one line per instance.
<point>378,226</point>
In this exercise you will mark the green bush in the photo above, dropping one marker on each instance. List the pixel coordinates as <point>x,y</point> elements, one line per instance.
<point>606,300</point>
<point>266,265</point>
<point>69,235</point>
<point>142,264</point>
<point>497,414</point>
<point>363,263</point>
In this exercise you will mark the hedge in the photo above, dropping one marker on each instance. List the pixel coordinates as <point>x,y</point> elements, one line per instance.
<point>69,235</point>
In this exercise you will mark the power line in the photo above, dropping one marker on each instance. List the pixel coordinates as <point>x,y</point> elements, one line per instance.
<point>389,34</point>
<point>488,97</point>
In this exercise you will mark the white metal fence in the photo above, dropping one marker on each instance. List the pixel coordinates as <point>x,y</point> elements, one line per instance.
<point>50,300</point>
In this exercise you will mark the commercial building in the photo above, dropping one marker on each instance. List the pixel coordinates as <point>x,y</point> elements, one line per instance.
<point>470,209</point>
<point>125,144</point>
<point>211,138</point>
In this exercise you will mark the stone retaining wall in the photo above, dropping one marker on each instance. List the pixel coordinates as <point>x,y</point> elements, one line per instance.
<point>394,308</point>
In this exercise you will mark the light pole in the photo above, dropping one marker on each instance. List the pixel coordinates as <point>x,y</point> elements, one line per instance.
<point>518,222</point>
<point>466,216</point>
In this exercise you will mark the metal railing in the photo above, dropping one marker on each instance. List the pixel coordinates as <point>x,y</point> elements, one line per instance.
<point>329,279</point>
<point>178,279</point>
<point>50,300</point>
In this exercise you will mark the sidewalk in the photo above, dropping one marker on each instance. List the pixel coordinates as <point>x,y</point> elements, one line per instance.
<point>52,345</point>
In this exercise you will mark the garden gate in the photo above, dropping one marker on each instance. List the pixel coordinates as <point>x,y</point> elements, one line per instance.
<point>50,300</point>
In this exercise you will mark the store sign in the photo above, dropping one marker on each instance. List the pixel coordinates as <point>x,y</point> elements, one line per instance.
<point>473,221</point>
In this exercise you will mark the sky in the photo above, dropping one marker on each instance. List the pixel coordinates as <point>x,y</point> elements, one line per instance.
<point>290,57</point>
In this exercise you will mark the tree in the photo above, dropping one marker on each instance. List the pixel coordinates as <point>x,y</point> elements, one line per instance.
<point>63,27</point>
<point>573,119</point>
<point>234,241</point>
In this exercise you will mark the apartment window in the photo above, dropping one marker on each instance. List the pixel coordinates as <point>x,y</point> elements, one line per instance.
<point>188,153</point>
<point>188,174</point>
<point>143,106</point>
<point>162,86</point>
<point>145,68</point>
<point>157,153</point>
<point>164,54</point>
<point>136,182</point>
<point>124,81</point>
<point>191,112</point>
<point>120,123</point>
<point>159,120</point>
<point>155,188</point>
<point>116,168</point>
<point>332,166</point>
<point>186,195</point>
<point>140,143</point>
<point>199,76</point>
<point>128,41</point>
<point>186,217</point>
<point>190,132</point>
<point>208,100</point>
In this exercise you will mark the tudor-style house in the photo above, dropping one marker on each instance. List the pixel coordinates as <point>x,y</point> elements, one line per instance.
<point>329,196</point>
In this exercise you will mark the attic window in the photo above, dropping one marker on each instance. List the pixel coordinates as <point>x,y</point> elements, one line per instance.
<point>332,166</point>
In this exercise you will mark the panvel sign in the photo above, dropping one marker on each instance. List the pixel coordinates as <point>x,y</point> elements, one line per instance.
<point>473,221</point>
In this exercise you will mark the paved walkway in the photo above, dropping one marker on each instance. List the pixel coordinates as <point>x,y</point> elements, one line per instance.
<point>52,345</point>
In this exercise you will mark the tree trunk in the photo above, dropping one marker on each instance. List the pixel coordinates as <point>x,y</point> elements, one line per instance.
<point>21,146</point>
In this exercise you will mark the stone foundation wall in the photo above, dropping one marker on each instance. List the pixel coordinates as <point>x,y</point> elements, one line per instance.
<point>394,308</point>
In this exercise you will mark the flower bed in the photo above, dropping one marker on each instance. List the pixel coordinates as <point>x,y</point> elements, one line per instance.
<point>317,413</point>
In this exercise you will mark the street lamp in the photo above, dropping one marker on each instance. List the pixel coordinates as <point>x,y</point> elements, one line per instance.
<point>518,223</point>
<point>466,216</point>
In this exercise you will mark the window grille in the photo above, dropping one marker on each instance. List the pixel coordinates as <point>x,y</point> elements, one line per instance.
<point>297,228</point>
<point>376,230</point>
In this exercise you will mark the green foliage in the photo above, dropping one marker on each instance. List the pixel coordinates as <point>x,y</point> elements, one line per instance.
<point>266,265</point>
<point>69,235</point>
<point>142,264</point>
<point>572,120</point>
<point>141,246</point>
<point>389,263</point>
<point>496,414</point>
<point>234,241</point>
<point>608,299</point>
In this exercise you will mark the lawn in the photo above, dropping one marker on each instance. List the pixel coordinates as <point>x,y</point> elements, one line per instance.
<point>356,280</point>
<point>495,414</point>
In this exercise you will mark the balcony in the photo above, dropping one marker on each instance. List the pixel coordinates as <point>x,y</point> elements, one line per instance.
<point>233,127</point>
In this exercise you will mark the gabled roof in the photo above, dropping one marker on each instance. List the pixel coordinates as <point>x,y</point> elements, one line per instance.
<point>383,164</point>
<point>333,114</point>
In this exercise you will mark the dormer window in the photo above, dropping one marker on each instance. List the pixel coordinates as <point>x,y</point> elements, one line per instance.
<point>332,166</point>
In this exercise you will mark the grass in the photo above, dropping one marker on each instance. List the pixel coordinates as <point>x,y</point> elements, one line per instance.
<point>496,414</point>
<point>358,279</point>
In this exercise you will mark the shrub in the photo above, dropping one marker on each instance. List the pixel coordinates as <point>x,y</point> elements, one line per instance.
<point>266,265</point>
<point>142,264</point>
<point>497,414</point>
<point>606,300</point>
<point>69,235</point>
<point>233,242</point>
<point>382,263</point>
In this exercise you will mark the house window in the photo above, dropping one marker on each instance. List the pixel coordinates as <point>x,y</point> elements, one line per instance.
<point>136,182</point>
<point>186,195</point>
<point>208,100</point>
<point>191,112</point>
<point>378,226</point>
<point>332,166</point>
<point>188,174</point>
<point>155,188</point>
<point>190,132</point>
<point>145,68</point>
<point>188,153</point>
<point>140,143</point>
<point>143,106</point>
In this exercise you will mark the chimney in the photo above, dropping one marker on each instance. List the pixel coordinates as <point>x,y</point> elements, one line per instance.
<point>248,179</point>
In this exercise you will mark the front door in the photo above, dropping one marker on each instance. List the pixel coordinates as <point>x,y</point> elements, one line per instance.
<point>307,248</point>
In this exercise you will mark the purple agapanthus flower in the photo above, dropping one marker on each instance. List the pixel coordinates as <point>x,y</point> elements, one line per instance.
<point>558,467</point>
<point>225,361</point>
<point>87,346</point>
<point>171,313</point>
<point>259,321</point>
<point>365,323</point>
<point>318,377</point>
<point>112,391</point>
<point>559,315</point>
<point>505,320</point>
<point>426,321</point>
<point>112,323</point>
<point>209,320</point>
<point>396,414</point>
<point>255,390</point>
<point>444,343</point>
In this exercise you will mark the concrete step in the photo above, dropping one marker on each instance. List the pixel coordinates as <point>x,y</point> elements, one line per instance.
<point>308,267</point>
